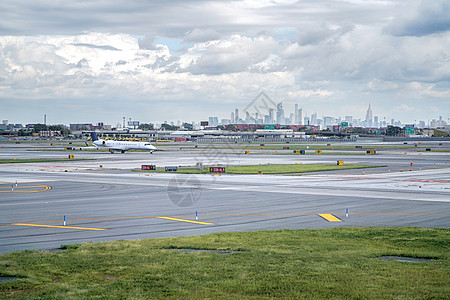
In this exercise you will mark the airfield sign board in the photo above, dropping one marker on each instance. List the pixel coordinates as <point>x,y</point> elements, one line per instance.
<point>217,169</point>
<point>171,169</point>
<point>148,167</point>
<point>409,129</point>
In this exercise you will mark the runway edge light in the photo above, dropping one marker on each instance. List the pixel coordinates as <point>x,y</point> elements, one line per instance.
<point>346,212</point>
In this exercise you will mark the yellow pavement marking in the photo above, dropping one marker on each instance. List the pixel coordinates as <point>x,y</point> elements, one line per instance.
<point>178,218</point>
<point>21,189</point>
<point>330,218</point>
<point>182,220</point>
<point>51,226</point>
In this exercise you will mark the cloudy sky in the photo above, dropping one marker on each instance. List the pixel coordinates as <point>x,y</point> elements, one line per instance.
<point>91,61</point>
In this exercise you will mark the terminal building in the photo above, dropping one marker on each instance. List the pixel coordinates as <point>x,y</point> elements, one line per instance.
<point>259,135</point>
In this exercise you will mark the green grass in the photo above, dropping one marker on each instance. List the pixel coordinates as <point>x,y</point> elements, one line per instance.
<point>71,150</point>
<point>47,142</point>
<point>33,160</point>
<point>307,153</point>
<point>271,169</point>
<point>92,150</point>
<point>335,263</point>
<point>311,147</point>
<point>283,169</point>
<point>433,150</point>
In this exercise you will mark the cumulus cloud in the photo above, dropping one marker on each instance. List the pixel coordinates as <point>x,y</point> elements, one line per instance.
<point>223,52</point>
<point>313,35</point>
<point>119,65</point>
<point>236,54</point>
<point>201,35</point>
<point>419,18</point>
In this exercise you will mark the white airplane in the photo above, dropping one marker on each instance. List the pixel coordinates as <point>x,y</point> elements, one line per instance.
<point>121,145</point>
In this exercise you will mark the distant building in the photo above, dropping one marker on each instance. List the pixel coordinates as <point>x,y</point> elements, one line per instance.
<point>271,116</point>
<point>369,117</point>
<point>437,123</point>
<point>49,133</point>
<point>299,117</point>
<point>349,119</point>
<point>314,119</point>
<point>213,121</point>
<point>328,121</point>
<point>306,121</point>
<point>79,127</point>
<point>280,114</point>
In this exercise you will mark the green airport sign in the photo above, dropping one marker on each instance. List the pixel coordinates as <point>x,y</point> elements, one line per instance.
<point>344,124</point>
<point>409,129</point>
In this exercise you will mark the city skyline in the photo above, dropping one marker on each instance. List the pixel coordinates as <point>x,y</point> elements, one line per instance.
<point>272,117</point>
<point>170,60</point>
<point>301,117</point>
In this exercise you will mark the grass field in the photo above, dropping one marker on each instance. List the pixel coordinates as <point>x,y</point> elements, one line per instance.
<point>310,146</point>
<point>338,263</point>
<point>92,150</point>
<point>271,169</point>
<point>33,160</point>
<point>307,153</point>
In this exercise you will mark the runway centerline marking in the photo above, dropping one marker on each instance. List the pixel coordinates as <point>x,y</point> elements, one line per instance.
<point>330,218</point>
<point>183,220</point>
<point>53,226</point>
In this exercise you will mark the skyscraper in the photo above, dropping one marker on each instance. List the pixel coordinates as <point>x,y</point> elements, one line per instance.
<point>213,121</point>
<point>236,116</point>
<point>280,114</point>
<point>306,121</point>
<point>314,119</point>
<point>369,117</point>
<point>271,116</point>
<point>327,121</point>
<point>300,117</point>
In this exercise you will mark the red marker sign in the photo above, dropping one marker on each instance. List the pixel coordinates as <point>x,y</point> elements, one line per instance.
<point>217,169</point>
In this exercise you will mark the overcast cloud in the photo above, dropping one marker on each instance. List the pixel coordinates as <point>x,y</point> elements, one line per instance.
<point>96,61</point>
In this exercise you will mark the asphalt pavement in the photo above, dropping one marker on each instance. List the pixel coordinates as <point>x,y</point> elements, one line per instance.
<point>103,199</point>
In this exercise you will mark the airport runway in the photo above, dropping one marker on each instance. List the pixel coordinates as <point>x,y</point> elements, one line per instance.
<point>111,202</point>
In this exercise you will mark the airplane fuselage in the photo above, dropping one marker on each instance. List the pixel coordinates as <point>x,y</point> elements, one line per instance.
<point>123,146</point>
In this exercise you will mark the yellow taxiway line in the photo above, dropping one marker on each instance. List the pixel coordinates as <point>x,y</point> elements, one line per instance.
<point>182,220</point>
<point>330,218</point>
<point>22,189</point>
<point>52,226</point>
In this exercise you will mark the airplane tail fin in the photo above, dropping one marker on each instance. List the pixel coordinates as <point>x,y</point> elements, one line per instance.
<point>94,136</point>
